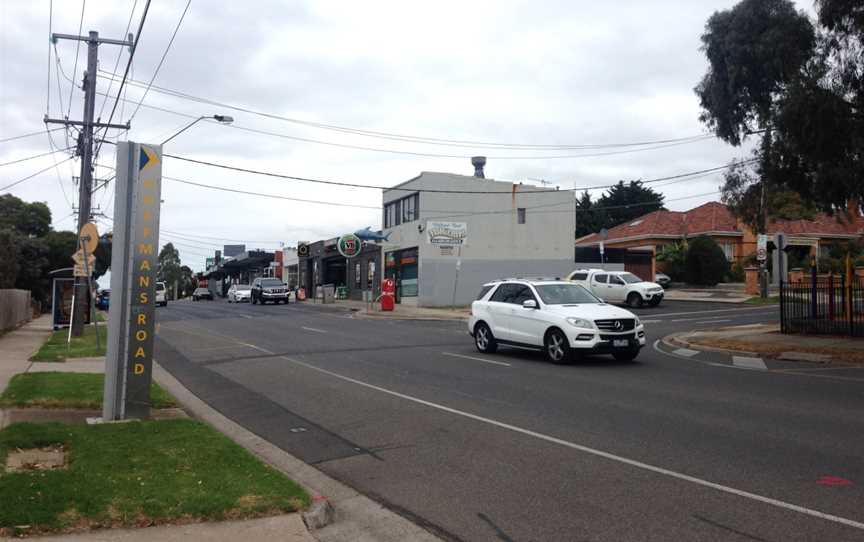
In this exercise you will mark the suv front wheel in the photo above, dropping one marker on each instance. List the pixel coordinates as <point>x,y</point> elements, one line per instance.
<point>556,347</point>
<point>484,340</point>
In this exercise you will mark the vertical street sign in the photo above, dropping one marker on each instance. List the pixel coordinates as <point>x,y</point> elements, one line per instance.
<point>134,261</point>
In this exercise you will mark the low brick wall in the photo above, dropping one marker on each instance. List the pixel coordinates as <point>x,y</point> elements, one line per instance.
<point>15,308</point>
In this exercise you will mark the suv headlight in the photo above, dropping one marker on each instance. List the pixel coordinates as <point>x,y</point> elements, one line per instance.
<point>580,322</point>
<point>638,321</point>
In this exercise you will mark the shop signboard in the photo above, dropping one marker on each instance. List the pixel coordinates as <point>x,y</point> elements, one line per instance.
<point>349,245</point>
<point>446,233</point>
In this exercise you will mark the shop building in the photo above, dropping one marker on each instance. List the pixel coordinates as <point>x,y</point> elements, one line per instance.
<point>325,265</point>
<point>496,229</point>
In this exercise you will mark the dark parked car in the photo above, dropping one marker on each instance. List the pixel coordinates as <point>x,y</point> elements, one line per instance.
<point>103,299</point>
<point>202,293</point>
<point>266,289</point>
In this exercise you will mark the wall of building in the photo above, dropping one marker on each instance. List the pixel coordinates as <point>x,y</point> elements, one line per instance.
<point>497,245</point>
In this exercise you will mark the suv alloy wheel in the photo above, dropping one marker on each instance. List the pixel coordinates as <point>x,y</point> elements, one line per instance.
<point>484,340</point>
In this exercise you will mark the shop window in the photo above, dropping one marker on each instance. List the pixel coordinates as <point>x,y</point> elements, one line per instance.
<point>357,275</point>
<point>402,211</point>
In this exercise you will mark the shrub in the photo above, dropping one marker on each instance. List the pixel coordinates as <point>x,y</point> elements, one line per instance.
<point>735,274</point>
<point>706,265</point>
<point>674,257</point>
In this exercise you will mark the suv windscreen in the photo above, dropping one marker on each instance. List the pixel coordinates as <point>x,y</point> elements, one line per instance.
<point>630,278</point>
<point>160,286</point>
<point>270,283</point>
<point>565,294</point>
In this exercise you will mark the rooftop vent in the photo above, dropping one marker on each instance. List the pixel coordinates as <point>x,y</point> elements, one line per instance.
<point>478,162</point>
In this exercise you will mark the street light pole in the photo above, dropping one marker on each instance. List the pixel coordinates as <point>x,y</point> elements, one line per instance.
<point>224,119</point>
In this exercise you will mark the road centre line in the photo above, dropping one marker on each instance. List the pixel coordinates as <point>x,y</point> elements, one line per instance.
<point>451,354</point>
<point>593,451</point>
<point>315,329</point>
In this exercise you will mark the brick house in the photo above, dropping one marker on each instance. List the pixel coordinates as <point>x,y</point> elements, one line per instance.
<point>738,241</point>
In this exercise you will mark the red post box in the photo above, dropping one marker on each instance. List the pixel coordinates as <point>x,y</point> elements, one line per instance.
<point>388,294</point>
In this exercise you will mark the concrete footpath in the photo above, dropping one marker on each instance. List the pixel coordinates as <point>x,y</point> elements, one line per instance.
<point>338,513</point>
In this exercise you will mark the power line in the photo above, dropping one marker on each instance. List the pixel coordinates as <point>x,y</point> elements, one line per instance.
<point>30,134</point>
<point>165,54</point>
<point>19,181</point>
<point>126,71</point>
<point>430,190</point>
<point>410,138</point>
<point>77,50</point>
<point>34,157</point>
<point>57,170</point>
<point>117,61</point>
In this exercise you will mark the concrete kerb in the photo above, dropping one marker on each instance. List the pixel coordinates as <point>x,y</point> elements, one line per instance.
<point>339,513</point>
<point>678,340</point>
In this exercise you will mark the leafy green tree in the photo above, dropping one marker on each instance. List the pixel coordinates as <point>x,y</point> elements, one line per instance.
<point>706,265</point>
<point>103,255</point>
<point>674,258</point>
<point>187,281</point>
<point>621,203</point>
<point>800,83</point>
<point>61,245</point>
<point>8,259</point>
<point>30,219</point>
<point>32,263</point>
<point>169,267</point>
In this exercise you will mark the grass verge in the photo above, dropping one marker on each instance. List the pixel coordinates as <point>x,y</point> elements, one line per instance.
<point>67,390</point>
<point>137,474</point>
<point>80,347</point>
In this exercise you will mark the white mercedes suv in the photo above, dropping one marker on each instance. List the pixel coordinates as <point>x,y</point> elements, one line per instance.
<point>563,319</point>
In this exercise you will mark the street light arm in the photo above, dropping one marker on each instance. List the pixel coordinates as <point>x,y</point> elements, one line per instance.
<point>185,128</point>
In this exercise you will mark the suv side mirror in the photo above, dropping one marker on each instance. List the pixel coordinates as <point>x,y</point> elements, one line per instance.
<point>529,304</point>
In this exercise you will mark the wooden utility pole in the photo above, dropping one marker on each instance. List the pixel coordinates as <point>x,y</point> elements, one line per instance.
<point>85,151</point>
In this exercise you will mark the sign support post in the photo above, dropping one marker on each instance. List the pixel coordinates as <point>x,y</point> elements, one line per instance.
<point>131,324</point>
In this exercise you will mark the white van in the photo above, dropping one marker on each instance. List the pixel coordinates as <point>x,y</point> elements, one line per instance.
<point>161,294</point>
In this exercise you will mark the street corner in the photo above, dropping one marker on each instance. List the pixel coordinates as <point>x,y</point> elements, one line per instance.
<point>694,346</point>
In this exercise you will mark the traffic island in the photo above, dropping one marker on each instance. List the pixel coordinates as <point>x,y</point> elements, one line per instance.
<point>134,474</point>
<point>767,341</point>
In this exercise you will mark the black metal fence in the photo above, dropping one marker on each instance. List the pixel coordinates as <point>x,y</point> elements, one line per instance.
<point>824,304</point>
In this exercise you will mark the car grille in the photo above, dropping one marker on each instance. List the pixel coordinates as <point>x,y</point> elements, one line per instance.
<point>275,291</point>
<point>627,324</point>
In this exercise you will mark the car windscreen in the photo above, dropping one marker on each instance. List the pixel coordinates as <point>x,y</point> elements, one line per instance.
<point>271,283</point>
<point>160,286</point>
<point>630,278</point>
<point>242,287</point>
<point>564,294</point>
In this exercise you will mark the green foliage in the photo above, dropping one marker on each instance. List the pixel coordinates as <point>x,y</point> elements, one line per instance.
<point>140,473</point>
<point>28,219</point>
<point>674,257</point>
<point>621,203</point>
<point>736,273</point>
<point>187,281</point>
<point>8,259</point>
<point>769,68</point>
<point>32,265</point>
<point>706,264</point>
<point>169,267</point>
<point>67,390</point>
<point>61,245</point>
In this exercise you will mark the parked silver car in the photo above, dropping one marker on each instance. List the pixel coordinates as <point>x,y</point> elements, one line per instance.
<point>239,293</point>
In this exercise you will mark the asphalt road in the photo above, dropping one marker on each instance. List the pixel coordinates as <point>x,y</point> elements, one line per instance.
<point>509,447</point>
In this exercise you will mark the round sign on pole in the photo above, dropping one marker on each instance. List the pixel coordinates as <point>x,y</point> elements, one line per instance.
<point>349,245</point>
<point>89,237</point>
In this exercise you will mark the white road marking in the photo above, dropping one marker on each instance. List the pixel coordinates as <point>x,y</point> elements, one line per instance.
<point>713,321</point>
<point>476,359</point>
<point>315,329</point>
<point>593,451</point>
<point>750,363</point>
<point>245,316</point>
<point>740,309</point>
<point>258,348</point>
<point>686,352</point>
<point>651,321</point>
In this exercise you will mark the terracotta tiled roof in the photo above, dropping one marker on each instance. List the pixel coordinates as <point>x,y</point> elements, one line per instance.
<point>716,217</point>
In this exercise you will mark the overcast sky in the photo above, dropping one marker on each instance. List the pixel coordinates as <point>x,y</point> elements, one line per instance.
<point>562,73</point>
